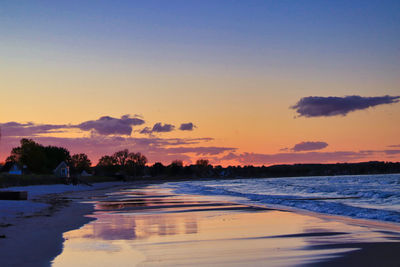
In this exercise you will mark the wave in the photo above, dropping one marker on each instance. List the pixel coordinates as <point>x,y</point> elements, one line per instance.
<point>375,197</point>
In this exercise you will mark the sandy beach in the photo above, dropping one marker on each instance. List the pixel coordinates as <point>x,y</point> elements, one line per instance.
<point>133,225</point>
<point>139,225</point>
<point>33,230</point>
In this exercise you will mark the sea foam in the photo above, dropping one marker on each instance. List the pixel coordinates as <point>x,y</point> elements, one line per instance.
<point>375,197</point>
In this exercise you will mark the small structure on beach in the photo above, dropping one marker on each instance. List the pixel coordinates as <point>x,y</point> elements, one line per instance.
<point>62,170</point>
<point>15,170</point>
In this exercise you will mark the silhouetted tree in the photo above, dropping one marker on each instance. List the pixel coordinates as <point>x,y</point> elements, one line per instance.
<point>135,163</point>
<point>80,163</point>
<point>175,168</point>
<point>107,165</point>
<point>203,168</point>
<point>37,158</point>
<point>121,157</point>
<point>157,169</point>
<point>54,155</point>
<point>202,163</point>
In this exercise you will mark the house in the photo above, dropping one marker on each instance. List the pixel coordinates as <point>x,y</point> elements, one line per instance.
<point>15,169</point>
<point>62,170</point>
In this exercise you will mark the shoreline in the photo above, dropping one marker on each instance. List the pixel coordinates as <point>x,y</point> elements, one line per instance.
<point>36,239</point>
<point>174,229</point>
<point>67,212</point>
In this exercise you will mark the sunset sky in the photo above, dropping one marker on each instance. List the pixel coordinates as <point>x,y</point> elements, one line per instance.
<point>237,82</point>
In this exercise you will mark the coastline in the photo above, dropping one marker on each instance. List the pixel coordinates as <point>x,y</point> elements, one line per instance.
<point>35,238</point>
<point>68,212</point>
<point>153,226</point>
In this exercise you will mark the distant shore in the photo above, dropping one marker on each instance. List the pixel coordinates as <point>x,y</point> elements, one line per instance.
<point>193,172</point>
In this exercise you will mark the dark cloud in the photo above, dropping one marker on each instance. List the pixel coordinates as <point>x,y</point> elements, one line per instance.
<point>158,128</point>
<point>146,130</point>
<point>308,146</point>
<point>316,106</point>
<point>394,146</point>
<point>162,128</point>
<point>187,126</point>
<point>108,125</point>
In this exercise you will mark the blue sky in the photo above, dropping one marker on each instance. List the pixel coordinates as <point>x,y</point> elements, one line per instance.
<point>233,68</point>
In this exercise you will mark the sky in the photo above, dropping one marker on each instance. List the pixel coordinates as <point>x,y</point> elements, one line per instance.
<point>236,82</point>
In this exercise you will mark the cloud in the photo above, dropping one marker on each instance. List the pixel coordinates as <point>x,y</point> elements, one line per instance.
<point>167,149</point>
<point>308,146</point>
<point>158,128</point>
<point>146,130</point>
<point>107,125</point>
<point>29,129</point>
<point>307,157</point>
<point>187,126</point>
<point>392,151</point>
<point>156,149</point>
<point>394,146</point>
<point>162,128</point>
<point>203,151</point>
<point>316,106</point>
<point>104,126</point>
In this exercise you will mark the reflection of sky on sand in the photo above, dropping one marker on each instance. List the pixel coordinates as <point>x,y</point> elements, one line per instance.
<point>164,233</point>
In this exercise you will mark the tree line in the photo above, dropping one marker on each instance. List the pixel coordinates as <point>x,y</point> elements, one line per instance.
<point>40,159</point>
<point>44,159</point>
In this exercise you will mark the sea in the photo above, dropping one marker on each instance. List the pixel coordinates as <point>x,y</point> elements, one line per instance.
<point>372,197</point>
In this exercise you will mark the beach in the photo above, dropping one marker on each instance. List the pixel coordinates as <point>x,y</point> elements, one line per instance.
<point>149,225</point>
<point>33,230</point>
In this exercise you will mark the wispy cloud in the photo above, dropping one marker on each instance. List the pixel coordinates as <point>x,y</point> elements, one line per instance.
<point>309,146</point>
<point>29,129</point>
<point>105,125</point>
<point>392,151</point>
<point>156,149</point>
<point>317,106</point>
<point>306,157</point>
<point>200,151</point>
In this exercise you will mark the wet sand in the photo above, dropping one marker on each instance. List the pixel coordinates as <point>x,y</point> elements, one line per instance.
<point>154,227</point>
<point>34,239</point>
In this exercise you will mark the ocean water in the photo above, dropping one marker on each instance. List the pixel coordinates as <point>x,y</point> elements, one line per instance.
<point>374,197</point>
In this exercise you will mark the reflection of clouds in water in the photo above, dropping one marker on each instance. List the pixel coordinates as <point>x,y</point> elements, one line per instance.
<point>114,227</point>
<point>128,227</point>
<point>131,225</point>
<point>94,246</point>
<point>191,227</point>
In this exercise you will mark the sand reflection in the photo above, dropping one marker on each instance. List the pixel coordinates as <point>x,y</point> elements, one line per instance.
<point>153,228</point>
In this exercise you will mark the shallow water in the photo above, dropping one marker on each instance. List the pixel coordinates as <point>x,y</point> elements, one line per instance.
<point>155,227</point>
<point>375,197</point>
